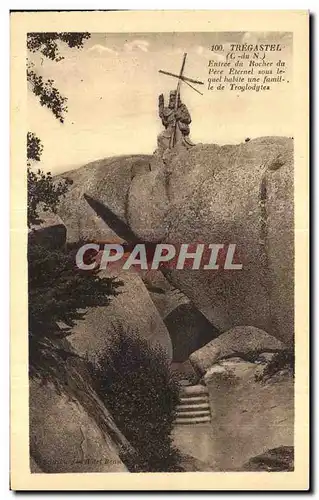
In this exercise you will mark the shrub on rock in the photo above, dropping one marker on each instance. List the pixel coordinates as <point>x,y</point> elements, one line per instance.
<point>136,384</point>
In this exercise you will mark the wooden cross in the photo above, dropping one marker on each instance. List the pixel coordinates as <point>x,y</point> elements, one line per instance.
<point>185,79</point>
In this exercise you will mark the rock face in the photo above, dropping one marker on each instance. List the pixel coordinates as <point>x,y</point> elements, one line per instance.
<point>240,194</point>
<point>131,312</point>
<point>242,341</point>
<point>279,459</point>
<point>244,195</point>
<point>251,406</point>
<point>50,232</point>
<point>105,184</point>
<point>34,468</point>
<point>165,297</point>
<point>248,416</point>
<point>147,205</point>
<point>65,438</point>
<point>192,464</point>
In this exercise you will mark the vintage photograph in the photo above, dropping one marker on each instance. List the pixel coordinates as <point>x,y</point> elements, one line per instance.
<point>160,177</point>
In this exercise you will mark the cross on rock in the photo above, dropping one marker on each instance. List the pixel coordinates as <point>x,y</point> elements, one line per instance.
<point>185,79</point>
<point>182,78</point>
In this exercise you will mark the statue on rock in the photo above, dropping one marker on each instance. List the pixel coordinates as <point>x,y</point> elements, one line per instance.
<point>176,120</point>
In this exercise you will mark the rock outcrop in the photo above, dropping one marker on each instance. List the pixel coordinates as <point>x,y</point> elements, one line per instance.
<point>97,187</point>
<point>65,437</point>
<point>279,459</point>
<point>131,312</point>
<point>243,341</point>
<point>248,416</point>
<point>241,194</point>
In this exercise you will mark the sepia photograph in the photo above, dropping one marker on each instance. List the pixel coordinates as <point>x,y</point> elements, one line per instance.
<point>159,202</point>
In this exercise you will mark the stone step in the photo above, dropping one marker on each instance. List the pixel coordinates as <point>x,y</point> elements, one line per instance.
<point>195,414</point>
<point>193,400</point>
<point>185,407</point>
<point>193,420</point>
<point>193,390</point>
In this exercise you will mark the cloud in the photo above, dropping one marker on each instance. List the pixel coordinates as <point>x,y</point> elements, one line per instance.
<point>175,51</point>
<point>136,44</point>
<point>199,50</point>
<point>100,49</point>
<point>205,52</point>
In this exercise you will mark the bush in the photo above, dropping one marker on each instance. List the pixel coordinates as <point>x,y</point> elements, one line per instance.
<point>136,384</point>
<point>283,361</point>
<point>59,296</point>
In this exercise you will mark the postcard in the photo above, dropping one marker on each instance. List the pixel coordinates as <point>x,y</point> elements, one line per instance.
<point>159,247</point>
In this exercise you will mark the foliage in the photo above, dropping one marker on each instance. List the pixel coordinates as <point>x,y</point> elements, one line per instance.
<point>190,378</point>
<point>59,292</point>
<point>48,45</point>
<point>42,189</point>
<point>48,95</point>
<point>281,361</point>
<point>59,295</point>
<point>34,148</point>
<point>136,384</point>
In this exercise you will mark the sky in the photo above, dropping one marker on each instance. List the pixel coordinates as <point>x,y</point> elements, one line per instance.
<point>113,84</point>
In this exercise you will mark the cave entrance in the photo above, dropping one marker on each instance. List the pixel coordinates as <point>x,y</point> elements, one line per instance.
<point>189,330</point>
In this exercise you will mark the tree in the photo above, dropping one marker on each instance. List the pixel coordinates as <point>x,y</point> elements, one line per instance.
<point>41,187</point>
<point>59,292</point>
<point>59,295</point>
<point>47,45</point>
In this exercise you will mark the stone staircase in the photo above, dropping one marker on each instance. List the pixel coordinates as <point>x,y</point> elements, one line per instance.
<point>193,406</point>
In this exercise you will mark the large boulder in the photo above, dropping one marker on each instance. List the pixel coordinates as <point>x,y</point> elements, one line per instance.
<point>64,437</point>
<point>165,297</point>
<point>97,187</point>
<point>240,194</point>
<point>279,459</point>
<point>84,209</point>
<point>243,341</point>
<point>249,414</point>
<point>132,312</point>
